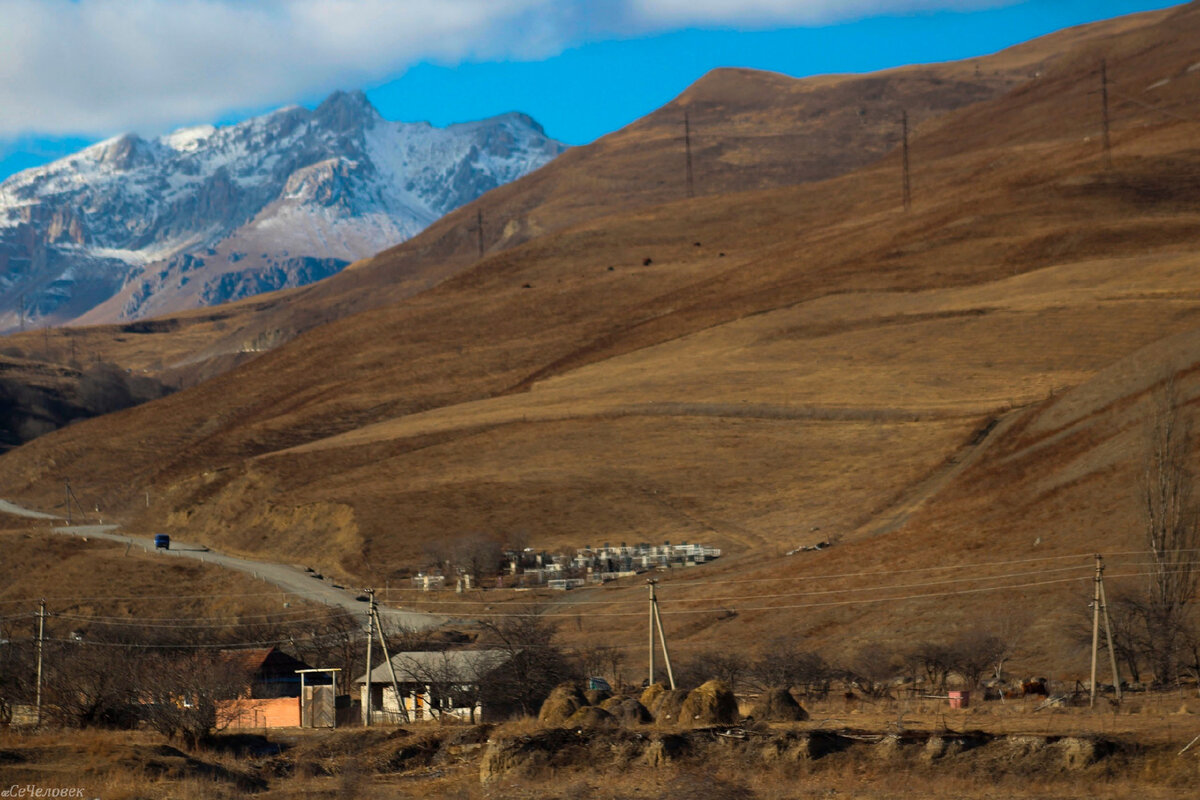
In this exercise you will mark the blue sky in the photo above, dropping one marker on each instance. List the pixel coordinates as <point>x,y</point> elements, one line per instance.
<point>580,67</point>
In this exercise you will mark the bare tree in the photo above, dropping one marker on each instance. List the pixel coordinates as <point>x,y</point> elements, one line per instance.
<point>977,652</point>
<point>478,555</point>
<point>1172,535</point>
<point>782,664</point>
<point>88,684</point>
<point>1129,638</point>
<point>455,679</point>
<point>872,668</point>
<point>180,694</point>
<point>534,663</point>
<point>602,660</point>
<point>934,661</point>
<point>727,666</point>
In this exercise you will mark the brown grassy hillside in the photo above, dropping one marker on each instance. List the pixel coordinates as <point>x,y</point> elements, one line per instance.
<point>750,130</point>
<point>739,368</point>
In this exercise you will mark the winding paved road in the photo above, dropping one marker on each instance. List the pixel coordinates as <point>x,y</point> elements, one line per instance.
<point>290,579</point>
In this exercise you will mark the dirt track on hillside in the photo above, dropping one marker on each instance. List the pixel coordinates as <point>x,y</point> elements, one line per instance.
<point>289,579</point>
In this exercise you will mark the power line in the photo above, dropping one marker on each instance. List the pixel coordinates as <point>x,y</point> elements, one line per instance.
<point>139,624</point>
<point>881,587</point>
<point>276,594</point>
<point>1149,107</point>
<point>828,604</point>
<point>870,573</point>
<point>866,573</point>
<point>298,615</point>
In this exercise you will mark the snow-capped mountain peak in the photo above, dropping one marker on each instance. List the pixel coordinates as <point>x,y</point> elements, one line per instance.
<point>131,227</point>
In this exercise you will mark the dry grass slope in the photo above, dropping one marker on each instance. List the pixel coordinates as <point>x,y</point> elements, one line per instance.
<point>786,352</point>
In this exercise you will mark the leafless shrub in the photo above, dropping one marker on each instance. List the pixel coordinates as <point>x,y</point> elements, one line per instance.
<point>729,667</point>
<point>977,652</point>
<point>1171,523</point>
<point>783,664</point>
<point>871,668</point>
<point>179,693</point>
<point>535,664</point>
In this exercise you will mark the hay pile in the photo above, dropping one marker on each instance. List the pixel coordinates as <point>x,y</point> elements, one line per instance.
<point>650,695</point>
<point>597,696</point>
<point>778,705</point>
<point>627,711</point>
<point>591,717</point>
<point>563,702</point>
<point>710,704</point>
<point>667,705</point>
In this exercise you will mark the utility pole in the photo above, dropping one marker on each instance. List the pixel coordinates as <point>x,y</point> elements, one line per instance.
<point>662,637</point>
<point>67,485</point>
<point>1112,651</point>
<point>1095,627</point>
<point>904,153</point>
<point>687,149</point>
<point>651,629</point>
<point>1104,100</point>
<point>479,229</point>
<point>656,622</point>
<point>370,691</point>
<point>388,658</point>
<point>41,638</point>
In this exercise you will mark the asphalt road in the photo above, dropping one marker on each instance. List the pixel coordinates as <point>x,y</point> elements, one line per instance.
<point>289,579</point>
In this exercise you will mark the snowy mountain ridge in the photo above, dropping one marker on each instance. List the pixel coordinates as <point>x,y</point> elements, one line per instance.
<point>132,227</point>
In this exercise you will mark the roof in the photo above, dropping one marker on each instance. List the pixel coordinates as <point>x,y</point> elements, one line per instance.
<point>444,666</point>
<point>249,660</point>
<point>263,661</point>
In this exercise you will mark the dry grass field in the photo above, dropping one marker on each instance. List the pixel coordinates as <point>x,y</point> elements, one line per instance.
<point>956,394</point>
<point>1012,751</point>
<point>80,579</point>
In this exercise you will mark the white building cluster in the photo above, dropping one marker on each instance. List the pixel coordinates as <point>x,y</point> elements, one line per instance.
<point>530,568</point>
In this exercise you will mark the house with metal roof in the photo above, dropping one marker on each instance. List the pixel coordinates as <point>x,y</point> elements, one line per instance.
<point>432,684</point>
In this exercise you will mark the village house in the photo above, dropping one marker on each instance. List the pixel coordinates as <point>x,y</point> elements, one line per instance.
<point>431,685</point>
<point>274,693</point>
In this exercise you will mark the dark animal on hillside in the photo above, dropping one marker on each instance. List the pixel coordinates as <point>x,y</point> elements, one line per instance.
<point>1035,687</point>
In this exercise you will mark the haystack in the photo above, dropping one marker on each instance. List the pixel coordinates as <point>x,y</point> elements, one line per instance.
<point>650,695</point>
<point>611,703</point>
<point>597,696</point>
<point>668,704</point>
<point>627,711</point>
<point>591,717</point>
<point>564,701</point>
<point>778,705</point>
<point>710,704</point>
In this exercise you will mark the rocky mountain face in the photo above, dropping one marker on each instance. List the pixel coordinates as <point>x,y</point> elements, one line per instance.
<point>131,227</point>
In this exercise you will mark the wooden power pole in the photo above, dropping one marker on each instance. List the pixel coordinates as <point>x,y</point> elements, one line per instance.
<point>651,629</point>
<point>1104,104</point>
<point>479,229</point>
<point>1095,628</point>
<point>387,657</point>
<point>1112,651</point>
<point>656,622</point>
<point>40,640</point>
<point>370,631</point>
<point>687,149</point>
<point>907,185</point>
<point>1099,606</point>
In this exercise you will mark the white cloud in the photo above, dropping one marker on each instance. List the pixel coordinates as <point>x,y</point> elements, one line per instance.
<point>793,12</point>
<point>102,66</point>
